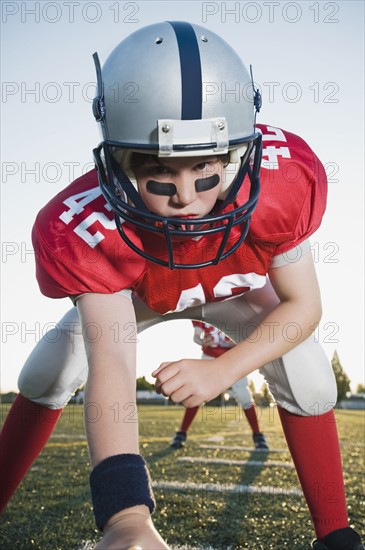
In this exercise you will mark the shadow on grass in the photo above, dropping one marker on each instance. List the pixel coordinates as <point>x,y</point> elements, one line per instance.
<point>231,522</point>
<point>163,453</point>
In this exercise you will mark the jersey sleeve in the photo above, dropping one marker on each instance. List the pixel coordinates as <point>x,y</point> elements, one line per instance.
<point>77,247</point>
<point>293,193</point>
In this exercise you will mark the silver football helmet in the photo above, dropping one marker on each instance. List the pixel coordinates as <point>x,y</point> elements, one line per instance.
<point>173,89</point>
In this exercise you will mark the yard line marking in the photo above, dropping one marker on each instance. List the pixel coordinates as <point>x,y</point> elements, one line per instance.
<point>269,463</point>
<point>225,488</point>
<point>238,448</point>
<point>216,438</point>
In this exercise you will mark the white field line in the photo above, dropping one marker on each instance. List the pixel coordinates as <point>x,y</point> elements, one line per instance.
<point>268,463</point>
<point>215,438</point>
<point>225,488</point>
<point>238,448</point>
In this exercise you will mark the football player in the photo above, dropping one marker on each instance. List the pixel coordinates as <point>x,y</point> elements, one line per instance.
<point>214,343</point>
<point>172,225</point>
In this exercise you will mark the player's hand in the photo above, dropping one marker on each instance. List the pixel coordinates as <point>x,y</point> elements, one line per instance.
<point>131,529</point>
<point>214,338</point>
<point>208,340</point>
<point>190,381</point>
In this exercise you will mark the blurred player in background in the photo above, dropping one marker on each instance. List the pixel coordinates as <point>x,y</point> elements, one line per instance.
<point>214,343</point>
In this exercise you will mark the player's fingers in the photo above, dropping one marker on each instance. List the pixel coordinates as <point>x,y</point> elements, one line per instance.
<point>191,401</point>
<point>181,394</point>
<point>171,385</point>
<point>166,374</point>
<point>161,387</point>
<point>156,372</point>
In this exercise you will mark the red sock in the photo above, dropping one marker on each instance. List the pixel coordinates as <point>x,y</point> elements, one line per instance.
<point>314,446</point>
<point>26,430</point>
<point>188,418</point>
<point>252,418</point>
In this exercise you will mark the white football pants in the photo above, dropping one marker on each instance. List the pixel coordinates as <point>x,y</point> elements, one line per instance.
<point>302,381</point>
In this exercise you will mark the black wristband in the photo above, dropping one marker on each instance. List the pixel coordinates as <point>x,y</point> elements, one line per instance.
<point>120,482</point>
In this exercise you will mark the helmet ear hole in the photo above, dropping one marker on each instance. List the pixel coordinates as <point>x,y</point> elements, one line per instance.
<point>97,109</point>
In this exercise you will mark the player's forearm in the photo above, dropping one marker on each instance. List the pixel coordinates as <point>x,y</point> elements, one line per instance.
<point>289,324</point>
<point>111,411</point>
<point>110,408</point>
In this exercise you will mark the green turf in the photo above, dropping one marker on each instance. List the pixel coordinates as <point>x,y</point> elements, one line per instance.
<point>52,510</point>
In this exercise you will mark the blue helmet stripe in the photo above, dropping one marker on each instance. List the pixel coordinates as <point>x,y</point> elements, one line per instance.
<point>191,72</point>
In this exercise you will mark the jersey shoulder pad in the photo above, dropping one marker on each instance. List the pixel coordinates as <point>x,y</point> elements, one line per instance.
<point>293,192</point>
<point>77,246</point>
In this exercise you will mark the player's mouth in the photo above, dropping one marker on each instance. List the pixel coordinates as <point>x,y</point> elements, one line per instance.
<point>180,223</point>
<point>187,217</point>
<point>183,222</point>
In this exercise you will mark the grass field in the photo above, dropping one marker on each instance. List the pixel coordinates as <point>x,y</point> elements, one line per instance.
<point>201,503</point>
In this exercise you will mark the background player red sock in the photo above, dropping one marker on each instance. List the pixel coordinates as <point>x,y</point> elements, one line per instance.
<point>26,430</point>
<point>188,418</point>
<point>314,446</point>
<point>251,416</point>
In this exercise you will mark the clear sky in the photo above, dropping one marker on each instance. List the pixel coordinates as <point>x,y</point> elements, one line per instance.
<point>308,60</point>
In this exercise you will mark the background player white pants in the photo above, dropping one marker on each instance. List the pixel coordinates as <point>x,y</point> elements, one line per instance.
<point>240,389</point>
<point>242,394</point>
<point>302,381</point>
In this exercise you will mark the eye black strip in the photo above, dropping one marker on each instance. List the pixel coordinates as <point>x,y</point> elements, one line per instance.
<point>205,184</point>
<point>161,188</point>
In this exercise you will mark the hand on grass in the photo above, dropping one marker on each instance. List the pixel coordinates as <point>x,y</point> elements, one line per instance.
<point>131,529</point>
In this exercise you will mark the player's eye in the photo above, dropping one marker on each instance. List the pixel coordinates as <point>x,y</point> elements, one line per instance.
<point>203,166</point>
<point>207,165</point>
<point>160,170</point>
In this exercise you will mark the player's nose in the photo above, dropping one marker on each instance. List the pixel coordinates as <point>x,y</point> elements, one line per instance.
<point>185,190</point>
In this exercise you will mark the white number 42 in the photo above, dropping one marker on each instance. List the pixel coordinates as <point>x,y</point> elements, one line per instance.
<point>76,205</point>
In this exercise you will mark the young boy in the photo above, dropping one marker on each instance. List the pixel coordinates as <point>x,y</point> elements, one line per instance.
<point>178,170</point>
<point>214,343</point>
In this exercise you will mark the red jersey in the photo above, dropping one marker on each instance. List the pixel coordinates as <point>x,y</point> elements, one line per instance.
<point>79,250</point>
